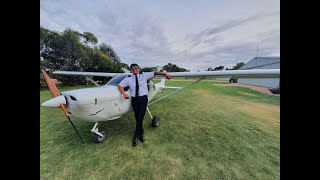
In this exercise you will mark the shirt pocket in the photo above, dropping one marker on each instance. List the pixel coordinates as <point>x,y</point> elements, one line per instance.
<point>142,79</point>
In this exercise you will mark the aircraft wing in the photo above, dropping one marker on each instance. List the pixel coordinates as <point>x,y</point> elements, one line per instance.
<point>101,74</point>
<point>253,73</point>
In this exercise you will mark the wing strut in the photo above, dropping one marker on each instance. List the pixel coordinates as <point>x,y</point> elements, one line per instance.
<point>94,82</point>
<point>175,91</point>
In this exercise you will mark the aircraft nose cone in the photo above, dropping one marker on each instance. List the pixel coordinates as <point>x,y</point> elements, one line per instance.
<point>55,102</point>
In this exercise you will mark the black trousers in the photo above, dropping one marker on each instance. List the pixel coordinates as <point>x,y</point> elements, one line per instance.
<point>139,105</point>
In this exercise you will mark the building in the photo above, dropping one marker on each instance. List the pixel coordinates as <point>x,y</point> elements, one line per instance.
<point>262,63</point>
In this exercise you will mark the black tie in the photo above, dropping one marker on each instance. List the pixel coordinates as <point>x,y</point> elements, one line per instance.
<point>137,86</point>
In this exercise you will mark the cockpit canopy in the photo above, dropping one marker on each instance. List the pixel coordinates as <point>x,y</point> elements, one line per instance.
<point>116,80</point>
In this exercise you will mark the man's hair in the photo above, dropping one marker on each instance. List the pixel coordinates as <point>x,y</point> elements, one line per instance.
<point>134,64</point>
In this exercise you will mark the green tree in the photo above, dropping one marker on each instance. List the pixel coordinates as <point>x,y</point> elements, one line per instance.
<point>219,68</point>
<point>125,66</point>
<point>148,69</point>
<point>173,68</point>
<point>66,51</point>
<point>89,38</point>
<point>108,50</point>
<point>43,35</point>
<point>238,66</point>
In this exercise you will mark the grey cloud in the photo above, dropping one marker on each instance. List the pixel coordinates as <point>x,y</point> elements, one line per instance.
<point>211,35</point>
<point>133,34</point>
<point>220,53</point>
<point>202,36</point>
<point>138,37</point>
<point>228,53</point>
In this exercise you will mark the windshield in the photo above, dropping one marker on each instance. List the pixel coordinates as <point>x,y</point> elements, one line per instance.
<point>116,80</point>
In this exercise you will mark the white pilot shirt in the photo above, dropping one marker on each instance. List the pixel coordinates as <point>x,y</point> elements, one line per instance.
<point>142,80</point>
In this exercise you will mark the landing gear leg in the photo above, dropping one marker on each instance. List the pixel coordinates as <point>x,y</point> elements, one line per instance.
<point>155,122</point>
<point>98,135</point>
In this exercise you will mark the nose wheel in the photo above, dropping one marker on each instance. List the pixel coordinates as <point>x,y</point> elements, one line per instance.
<point>99,134</point>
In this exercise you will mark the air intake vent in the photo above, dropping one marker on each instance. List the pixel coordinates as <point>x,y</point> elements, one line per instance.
<point>73,98</point>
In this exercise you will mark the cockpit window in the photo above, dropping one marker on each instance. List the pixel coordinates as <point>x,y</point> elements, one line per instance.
<point>116,80</point>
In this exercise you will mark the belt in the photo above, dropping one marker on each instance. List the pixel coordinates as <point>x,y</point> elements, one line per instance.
<point>140,97</point>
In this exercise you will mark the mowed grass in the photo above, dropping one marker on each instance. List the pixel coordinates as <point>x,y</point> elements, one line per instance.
<point>206,132</point>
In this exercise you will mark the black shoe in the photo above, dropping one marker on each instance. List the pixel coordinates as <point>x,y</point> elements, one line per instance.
<point>134,140</point>
<point>141,138</point>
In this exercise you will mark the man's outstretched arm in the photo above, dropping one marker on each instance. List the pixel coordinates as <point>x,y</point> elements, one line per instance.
<point>162,73</point>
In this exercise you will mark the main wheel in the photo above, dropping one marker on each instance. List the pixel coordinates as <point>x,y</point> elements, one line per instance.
<point>98,139</point>
<point>155,121</point>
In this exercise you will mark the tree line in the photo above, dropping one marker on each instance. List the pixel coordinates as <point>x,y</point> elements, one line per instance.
<point>71,50</point>
<point>220,68</point>
<point>168,67</point>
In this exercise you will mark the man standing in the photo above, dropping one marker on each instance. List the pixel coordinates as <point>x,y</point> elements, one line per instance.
<point>139,94</point>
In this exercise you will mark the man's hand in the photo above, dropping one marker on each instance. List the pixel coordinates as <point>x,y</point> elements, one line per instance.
<point>125,95</point>
<point>167,76</point>
<point>161,73</point>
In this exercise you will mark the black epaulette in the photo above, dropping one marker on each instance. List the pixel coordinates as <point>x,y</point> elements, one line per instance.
<point>126,88</point>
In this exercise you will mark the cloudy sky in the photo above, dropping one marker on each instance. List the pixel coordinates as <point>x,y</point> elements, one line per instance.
<point>193,34</point>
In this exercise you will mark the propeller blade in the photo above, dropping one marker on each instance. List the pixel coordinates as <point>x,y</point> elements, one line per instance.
<point>64,108</point>
<point>75,129</point>
<point>51,85</point>
<point>55,92</point>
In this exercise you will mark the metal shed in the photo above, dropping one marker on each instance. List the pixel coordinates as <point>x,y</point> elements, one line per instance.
<point>262,63</point>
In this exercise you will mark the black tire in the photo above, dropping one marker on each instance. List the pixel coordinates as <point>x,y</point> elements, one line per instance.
<point>97,139</point>
<point>155,121</point>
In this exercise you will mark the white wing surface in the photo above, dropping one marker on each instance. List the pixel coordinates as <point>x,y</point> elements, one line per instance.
<point>256,73</point>
<point>101,74</point>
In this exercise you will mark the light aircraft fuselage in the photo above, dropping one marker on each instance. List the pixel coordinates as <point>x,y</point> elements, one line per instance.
<point>99,103</point>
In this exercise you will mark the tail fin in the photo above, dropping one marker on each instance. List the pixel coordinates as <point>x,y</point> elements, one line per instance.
<point>125,70</point>
<point>162,82</point>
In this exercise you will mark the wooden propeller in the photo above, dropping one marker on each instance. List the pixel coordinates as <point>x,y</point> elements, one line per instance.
<point>55,92</point>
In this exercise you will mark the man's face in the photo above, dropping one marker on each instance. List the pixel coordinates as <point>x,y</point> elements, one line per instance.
<point>135,70</point>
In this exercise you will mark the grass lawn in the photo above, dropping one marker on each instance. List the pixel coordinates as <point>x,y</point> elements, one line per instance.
<point>205,132</point>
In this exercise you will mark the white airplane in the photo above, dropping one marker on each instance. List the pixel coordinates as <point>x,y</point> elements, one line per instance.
<point>104,103</point>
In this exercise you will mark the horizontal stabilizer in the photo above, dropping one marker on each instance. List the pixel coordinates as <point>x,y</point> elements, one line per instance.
<point>171,87</point>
